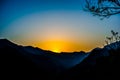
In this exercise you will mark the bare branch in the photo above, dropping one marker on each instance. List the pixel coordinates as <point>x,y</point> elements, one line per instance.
<point>101,7</point>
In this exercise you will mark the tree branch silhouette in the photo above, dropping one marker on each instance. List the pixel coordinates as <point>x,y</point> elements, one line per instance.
<point>103,8</point>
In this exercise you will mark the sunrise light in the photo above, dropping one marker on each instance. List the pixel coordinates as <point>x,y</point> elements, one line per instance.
<point>55,25</point>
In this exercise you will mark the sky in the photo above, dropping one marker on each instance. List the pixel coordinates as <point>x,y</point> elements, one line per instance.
<point>56,25</point>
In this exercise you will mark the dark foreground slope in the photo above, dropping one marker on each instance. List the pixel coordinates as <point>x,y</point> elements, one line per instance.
<point>18,62</point>
<point>33,63</point>
<point>101,64</point>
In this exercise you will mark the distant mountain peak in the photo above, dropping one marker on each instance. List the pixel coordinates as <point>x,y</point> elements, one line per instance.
<point>4,40</point>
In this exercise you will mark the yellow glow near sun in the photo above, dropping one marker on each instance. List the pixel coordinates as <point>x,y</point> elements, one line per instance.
<point>61,46</point>
<point>56,50</point>
<point>55,46</point>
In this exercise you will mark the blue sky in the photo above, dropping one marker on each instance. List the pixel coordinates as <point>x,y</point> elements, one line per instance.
<point>13,9</point>
<point>29,22</point>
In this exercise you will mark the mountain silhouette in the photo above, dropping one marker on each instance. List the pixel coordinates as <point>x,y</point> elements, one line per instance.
<point>27,62</point>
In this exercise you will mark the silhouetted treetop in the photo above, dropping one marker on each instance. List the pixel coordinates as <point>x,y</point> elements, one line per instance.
<point>114,38</point>
<point>103,8</point>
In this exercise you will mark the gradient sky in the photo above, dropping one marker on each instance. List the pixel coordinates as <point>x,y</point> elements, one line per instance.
<point>57,25</point>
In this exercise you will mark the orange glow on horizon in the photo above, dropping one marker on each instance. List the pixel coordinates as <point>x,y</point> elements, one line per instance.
<point>59,46</point>
<point>63,46</point>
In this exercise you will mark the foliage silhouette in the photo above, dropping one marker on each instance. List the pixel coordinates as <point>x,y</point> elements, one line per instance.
<point>103,8</point>
<point>114,38</point>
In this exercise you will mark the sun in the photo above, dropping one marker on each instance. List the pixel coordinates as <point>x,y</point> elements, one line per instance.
<point>56,50</point>
<point>56,47</point>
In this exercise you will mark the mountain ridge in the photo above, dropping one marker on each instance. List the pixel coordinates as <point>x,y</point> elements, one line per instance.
<point>59,58</point>
<point>58,66</point>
